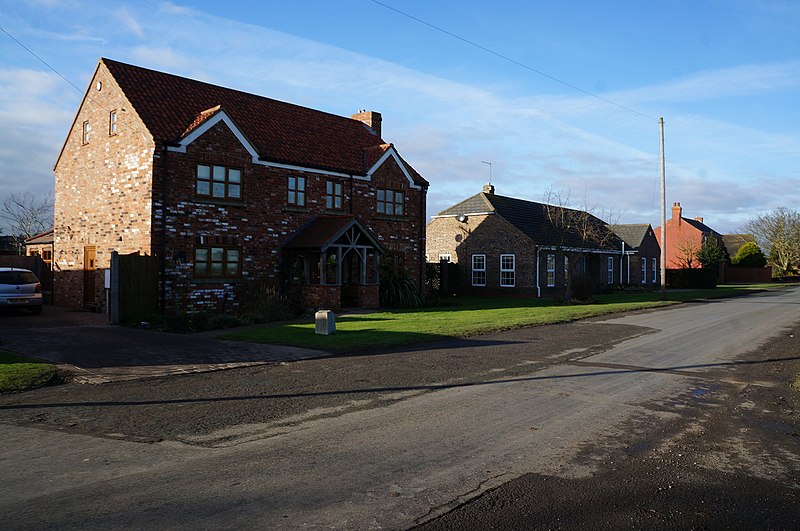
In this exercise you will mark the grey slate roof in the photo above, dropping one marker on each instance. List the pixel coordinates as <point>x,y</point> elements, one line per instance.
<point>532,220</point>
<point>631,234</point>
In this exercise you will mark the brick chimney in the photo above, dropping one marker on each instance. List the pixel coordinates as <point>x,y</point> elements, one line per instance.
<point>676,212</point>
<point>488,189</point>
<point>371,118</point>
<point>699,219</point>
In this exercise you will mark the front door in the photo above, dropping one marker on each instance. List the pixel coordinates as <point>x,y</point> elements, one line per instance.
<point>89,280</point>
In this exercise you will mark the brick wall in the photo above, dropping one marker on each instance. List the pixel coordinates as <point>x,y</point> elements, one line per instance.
<point>492,236</point>
<point>102,190</point>
<point>262,221</point>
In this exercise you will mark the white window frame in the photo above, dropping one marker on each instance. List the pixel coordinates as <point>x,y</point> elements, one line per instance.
<point>655,270</point>
<point>476,279</point>
<point>644,270</point>
<point>507,273</point>
<point>566,269</point>
<point>610,278</point>
<point>85,128</point>
<point>551,270</point>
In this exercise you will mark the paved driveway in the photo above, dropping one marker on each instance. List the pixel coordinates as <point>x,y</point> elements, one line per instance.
<point>96,352</point>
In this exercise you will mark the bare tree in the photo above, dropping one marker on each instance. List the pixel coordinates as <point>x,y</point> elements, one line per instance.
<point>27,215</point>
<point>574,231</point>
<point>687,250</point>
<point>778,234</point>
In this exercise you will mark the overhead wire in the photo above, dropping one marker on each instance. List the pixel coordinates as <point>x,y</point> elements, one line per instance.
<point>511,60</point>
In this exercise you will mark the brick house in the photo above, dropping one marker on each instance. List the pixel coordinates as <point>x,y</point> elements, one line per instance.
<point>41,245</point>
<point>640,261</point>
<point>507,246</point>
<point>227,188</point>
<point>684,238</point>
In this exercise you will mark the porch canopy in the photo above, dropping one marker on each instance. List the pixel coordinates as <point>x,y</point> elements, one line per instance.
<point>335,250</point>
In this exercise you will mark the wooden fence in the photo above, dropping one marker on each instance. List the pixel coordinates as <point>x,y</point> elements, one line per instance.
<point>134,287</point>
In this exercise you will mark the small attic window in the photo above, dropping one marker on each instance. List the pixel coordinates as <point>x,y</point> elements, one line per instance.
<point>85,136</point>
<point>112,123</point>
<point>99,86</point>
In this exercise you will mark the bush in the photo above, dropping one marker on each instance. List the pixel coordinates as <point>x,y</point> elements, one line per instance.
<point>263,301</point>
<point>749,255</point>
<point>397,289</point>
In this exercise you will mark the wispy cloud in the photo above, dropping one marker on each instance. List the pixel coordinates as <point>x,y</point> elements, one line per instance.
<point>443,127</point>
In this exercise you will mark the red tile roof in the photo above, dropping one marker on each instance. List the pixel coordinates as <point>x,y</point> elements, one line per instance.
<point>171,106</point>
<point>323,231</point>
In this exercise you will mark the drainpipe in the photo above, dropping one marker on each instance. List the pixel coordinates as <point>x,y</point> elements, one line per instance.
<point>538,285</point>
<point>162,265</point>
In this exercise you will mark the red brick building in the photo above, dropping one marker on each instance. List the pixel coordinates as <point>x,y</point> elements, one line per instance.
<point>684,238</point>
<point>508,246</point>
<point>226,187</point>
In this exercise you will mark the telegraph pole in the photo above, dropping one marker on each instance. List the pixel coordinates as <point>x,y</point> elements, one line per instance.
<point>663,217</point>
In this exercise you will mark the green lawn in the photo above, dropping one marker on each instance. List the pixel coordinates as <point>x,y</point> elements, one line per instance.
<point>19,373</point>
<point>467,316</point>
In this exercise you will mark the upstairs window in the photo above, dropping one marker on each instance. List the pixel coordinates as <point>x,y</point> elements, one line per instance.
<point>219,182</point>
<point>112,123</point>
<point>478,269</point>
<point>297,191</point>
<point>85,135</point>
<point>217,262</point>
<point>390,202</point>
<point>333,195</point>
<point>507,270</point>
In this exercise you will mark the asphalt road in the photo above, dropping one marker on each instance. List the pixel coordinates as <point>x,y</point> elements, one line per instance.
<point>392,440</point>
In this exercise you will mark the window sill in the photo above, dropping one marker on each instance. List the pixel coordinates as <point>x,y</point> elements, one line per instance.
<point>213,201</point>
<point>220,280</point>
<point>334,212</point>
<point>384,217</point>
<point>292,208</point>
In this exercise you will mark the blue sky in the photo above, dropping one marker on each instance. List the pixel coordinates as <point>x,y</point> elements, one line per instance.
<point>725,75</point>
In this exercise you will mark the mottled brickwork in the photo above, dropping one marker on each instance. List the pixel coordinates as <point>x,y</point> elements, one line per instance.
<point>493,236</point>
<point>124,193</point>
<point>489,235</point>
<point>103,190</point>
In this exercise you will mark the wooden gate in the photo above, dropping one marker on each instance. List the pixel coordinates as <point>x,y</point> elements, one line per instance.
<point>134,287</point>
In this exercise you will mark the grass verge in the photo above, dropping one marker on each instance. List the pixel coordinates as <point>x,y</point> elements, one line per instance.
<point>20,373</point>
<point>796,384</point>
<point>467,316</point>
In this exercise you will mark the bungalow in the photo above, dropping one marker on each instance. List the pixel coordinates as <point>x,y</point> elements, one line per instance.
<point>640,264</point>
<point>503,245</point>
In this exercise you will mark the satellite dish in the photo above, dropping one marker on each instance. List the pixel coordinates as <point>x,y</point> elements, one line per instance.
<point>462,218</point>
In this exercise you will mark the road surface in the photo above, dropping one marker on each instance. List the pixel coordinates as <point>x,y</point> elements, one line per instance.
<point>393,466</point>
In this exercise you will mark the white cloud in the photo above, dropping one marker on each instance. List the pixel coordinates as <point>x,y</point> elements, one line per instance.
<point>443,128</point>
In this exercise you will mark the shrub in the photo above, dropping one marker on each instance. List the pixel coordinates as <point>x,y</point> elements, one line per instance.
<point>263,301</point>
<point>397,289</point>
<point>749,255</point>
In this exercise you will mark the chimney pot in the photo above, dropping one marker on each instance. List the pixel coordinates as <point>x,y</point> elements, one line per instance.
<point>488,189</point>
<point>698,219</point>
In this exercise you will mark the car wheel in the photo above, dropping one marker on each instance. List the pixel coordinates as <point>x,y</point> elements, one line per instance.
<point>37,310</point>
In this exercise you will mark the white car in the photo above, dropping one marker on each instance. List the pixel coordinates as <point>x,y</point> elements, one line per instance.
<point>19,288</point>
